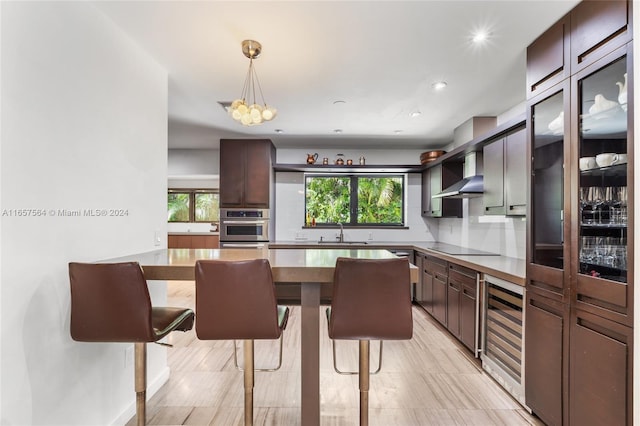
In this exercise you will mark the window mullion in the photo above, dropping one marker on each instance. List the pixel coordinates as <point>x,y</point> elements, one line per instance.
<point>192,206</point>
<point>353,201</point>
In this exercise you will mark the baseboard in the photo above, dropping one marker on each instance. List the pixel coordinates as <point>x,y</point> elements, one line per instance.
<point>152,388</point>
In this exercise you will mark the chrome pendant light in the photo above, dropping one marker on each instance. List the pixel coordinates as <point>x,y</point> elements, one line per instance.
<point>245,109</point>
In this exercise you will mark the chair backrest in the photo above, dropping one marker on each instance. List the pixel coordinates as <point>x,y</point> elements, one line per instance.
<point>235,299</point>
<point>371,300</point>
<point>110,303</point>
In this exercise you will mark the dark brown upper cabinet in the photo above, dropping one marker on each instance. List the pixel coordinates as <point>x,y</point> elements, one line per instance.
<point>597,28</point>
<point>505,175</point>
<point>591,30</point>
<point>434,180</point>
<point>548,58</point>
<point>246,173</point>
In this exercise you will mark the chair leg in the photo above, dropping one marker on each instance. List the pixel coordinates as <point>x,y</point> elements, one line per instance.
<point>364,382</point>
<point>141,382</point>
<point>248,382</point>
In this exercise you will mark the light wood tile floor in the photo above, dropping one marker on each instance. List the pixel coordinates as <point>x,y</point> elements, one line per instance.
<point>429,380</point>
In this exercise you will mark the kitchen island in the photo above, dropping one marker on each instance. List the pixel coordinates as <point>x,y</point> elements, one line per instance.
<point>312,268</point>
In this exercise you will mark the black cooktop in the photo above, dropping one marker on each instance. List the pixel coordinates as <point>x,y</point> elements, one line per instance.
<point>459,251</point>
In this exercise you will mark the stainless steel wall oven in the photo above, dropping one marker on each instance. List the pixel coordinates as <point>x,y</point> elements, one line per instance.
<point>244,227</point>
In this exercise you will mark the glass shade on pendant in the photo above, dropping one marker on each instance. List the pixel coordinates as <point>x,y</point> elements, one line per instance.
<point>251,115</point>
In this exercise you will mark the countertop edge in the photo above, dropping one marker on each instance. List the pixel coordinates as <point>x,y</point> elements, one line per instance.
<point>194,233</point>
<point>507,268</point>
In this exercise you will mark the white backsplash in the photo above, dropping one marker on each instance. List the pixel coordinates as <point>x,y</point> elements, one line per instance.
<point>497,234</point>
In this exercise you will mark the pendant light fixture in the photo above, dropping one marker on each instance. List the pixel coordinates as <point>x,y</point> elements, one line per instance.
<point>245,109</point>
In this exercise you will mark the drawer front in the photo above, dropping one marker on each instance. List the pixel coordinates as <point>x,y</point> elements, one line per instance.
<point>435,265</point>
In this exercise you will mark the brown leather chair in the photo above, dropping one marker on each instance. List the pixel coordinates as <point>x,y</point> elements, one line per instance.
<point>371,301</point>
<point>236,300</point>
<point>110,303</point>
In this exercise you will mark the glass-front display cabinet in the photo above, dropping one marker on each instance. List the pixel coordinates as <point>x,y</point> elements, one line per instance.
<point>549,150</point>
<point>604,202</point>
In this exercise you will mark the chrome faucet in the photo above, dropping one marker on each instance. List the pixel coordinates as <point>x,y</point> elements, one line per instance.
<point>341,237</point>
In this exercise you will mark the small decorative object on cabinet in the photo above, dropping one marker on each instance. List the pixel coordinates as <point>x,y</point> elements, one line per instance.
<point>312,158</point>
<point>622,93</point>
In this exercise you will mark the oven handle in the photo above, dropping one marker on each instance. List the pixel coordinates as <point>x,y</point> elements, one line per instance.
<point>243,222</point>
<point>243,245</point>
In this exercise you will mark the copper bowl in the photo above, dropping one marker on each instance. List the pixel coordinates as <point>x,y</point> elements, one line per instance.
<point>428,156</point>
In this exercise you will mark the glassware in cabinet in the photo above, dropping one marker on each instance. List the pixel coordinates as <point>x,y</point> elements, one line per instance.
<point>602,151</point>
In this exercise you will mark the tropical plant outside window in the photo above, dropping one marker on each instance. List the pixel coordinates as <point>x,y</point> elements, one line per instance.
<point>193,206</point>
<point>354,200</point>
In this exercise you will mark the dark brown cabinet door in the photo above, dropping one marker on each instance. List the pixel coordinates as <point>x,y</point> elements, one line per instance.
<point>549,195</point>
<point>597,28</point>
<point>245,172</point>
<point>453,307</point>
<point>232,172</point>
<point>603,209</point>
<point>548,58</point>
<point>600,384</point>
<point>468,323</point>
<point>545,321</point>
<point>440,298</point>
<point>258,168</point>
<point>432,267</point>
<point>427,291</point>
<point>493,164</point>
<point>434,180</point>
<point>515,173</point>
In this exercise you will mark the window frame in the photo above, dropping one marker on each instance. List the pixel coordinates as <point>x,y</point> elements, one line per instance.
<point>192,202</point>
<point>353,200</point>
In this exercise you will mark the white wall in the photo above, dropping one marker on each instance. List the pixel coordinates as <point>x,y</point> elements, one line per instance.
<point>496,234</point>
<point>190,162</point>
<point>290,214</point>
<point>84,126</point>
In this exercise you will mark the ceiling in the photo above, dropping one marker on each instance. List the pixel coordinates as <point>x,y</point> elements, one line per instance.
<point>379,57</point>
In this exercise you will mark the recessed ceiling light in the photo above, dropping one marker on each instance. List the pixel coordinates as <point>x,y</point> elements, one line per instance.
<point>415,114</point>
<point>480,36</point>
<point>337,131</point>
<point>279,131</point>
<point>339,102</point>
<point>439,85</point>
<point>397,132</point>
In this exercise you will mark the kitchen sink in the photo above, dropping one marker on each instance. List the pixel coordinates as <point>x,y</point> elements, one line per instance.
<point>346,243</point>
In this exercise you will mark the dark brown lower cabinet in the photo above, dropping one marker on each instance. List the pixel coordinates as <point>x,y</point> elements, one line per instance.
<point>461,309</point>
<point>439,311</point>
<point>545,322</point>
<point>600,382</point>
<point>427,291</point>
<point>468,319</point>
<point>193,241</point>
<point>434,287</point>
<point>453,307</point>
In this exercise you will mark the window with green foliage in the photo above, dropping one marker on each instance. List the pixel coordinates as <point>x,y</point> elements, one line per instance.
<point>193,205</point>
<point>354,200</point>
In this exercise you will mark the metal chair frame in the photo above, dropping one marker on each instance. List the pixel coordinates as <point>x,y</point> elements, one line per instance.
<point>235,358</point>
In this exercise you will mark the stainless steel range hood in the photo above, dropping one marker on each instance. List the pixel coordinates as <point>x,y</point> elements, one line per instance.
<point>472,184</point>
